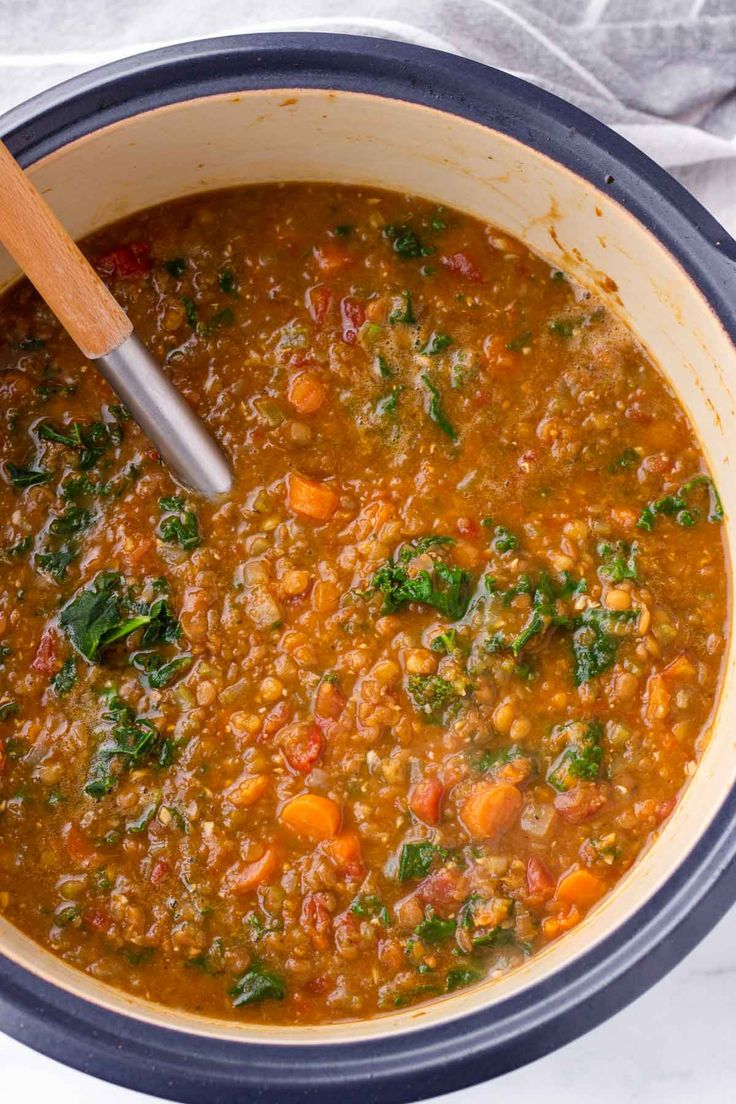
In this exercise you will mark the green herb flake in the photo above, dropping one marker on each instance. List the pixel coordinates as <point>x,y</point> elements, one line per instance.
<point>175,267</point>
<point>158,671</point>
<point>618,561</point>
<point>582,757</point>
<point>629,458</point>
<point>227,282</point>
<point>523,341</point>
<point>8,709</point>
<point>677,505</point>
<point>504,540</point>
<point>179,526</point>
<point>596,639</point>
<point>128,741</point>
<point>94,619</point>
<point>224,317</point>
<point>65,678</point>
<point>257,984</point>
<point>460,977</point>
<point>437,343</point>
<point>25,544</point>
<point>144,818</point>
<point>56,563</point>
<point>446,588</point>
<point>433,696</point>
<point>416,859</point>
<point>388,405</point>
<point>435,409</point>
<point>446,642</point>
<point>404,311</point>
<point>433,929</point>
<point>406,242</point>
<point>369,906</point>
<point>564,327</point>
<point>26,477</point>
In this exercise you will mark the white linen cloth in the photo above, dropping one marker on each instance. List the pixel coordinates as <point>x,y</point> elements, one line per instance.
<point>662,72</point>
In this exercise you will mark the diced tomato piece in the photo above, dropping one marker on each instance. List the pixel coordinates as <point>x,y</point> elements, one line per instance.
<point>160,871</point>
<point>468,527</point>
<point>353,317</point>
<point>77,844</point>
<point>461,265</point>
<point>316,919</point>
<point>275,720</point>
<point>426,800</point>
<point>46,661</point>
<point>445,890</point>
<point>319,300</point>
<point>302,745</point>
<point>539,880</point>
<point>580,803</point>
<point>100,921</point>
<point>332,258</point>
<point>3,756</point>
<point>127,262</point>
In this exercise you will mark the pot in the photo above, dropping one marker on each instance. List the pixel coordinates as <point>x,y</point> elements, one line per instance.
<point>295,107</point>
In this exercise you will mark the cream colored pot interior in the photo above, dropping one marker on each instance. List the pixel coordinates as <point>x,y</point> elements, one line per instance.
<point>348,138</point>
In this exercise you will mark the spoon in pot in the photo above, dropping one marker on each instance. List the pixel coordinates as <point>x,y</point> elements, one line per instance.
<point>97,323</point>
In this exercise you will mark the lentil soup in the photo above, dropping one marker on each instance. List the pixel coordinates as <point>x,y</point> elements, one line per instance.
<point>398,711</point>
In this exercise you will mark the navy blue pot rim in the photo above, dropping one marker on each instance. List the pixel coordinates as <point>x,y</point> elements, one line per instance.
<point>197,1069</point>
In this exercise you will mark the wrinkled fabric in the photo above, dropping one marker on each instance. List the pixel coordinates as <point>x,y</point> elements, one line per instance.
<point>661,72</point>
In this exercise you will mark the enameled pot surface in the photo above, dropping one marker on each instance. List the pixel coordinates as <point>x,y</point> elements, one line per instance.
<point>256,109</point>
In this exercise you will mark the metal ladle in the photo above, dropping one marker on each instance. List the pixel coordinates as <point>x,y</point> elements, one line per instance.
<point>96,322</point>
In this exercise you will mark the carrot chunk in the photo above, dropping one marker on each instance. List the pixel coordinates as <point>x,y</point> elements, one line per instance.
<point>426,800</point>
<point>491,809</point>
<point>312,499</point>
<point>307,393</point>
<point>312,816</point>
<point>244,879</point>
<point>344,850</point>
<point>580,888</point>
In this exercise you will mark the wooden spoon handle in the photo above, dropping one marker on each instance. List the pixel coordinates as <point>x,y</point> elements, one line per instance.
<point>52,262</point>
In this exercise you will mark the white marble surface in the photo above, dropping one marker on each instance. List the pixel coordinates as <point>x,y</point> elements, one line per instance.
<point>674,1045</point>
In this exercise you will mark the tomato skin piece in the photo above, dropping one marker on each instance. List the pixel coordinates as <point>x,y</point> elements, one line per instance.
<point>127,262</point>
<point>353,317</point>
<point>332,258</point>
<point>302,746</point>
<point>160,871</point>
<point>468,527</point>
<point>100,921</point>
<point>461,265</point>
<point>316,918</point>
<point>445,890</point>
<point>580,803</point>
<point>425,801</point>
<point>77,844</point>
<point>46,661</point>
<point>539,880</point>
<point>319,301</point>
<point>344,850</point>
